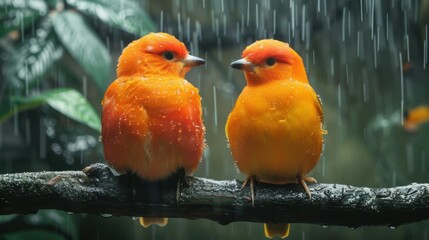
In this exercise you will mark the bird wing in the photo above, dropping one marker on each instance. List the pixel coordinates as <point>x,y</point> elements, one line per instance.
<point>319,108</point>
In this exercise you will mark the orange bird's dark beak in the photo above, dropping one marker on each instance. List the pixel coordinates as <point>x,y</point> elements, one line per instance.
<point>192,61</point>
<point>243,64</point>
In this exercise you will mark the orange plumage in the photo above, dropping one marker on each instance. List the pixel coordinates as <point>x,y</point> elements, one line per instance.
<point>415,117</point>
<point>275,129</point>
<point>151,118</point>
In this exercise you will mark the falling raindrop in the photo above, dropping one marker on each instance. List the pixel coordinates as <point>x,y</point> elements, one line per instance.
<point>358,43</point>
<point>292,18</point>
<point>237,31</point>
<point>344,25</point>
<point>257,16</point>
<point>401,72</point>
<point>372,18</point>
<point>217,27</point>
<point>339,95</point>
<point>375,52</point>
<point>215,106</point>
<point>274,22</point>
<point>303,31</point>
<point>161,21</point>
<point>206,158</point>
<point>407,42</point>
<point>387,26</point>
<point>179,25</point>
<point>188,29</point>
<point>425,61</point>
<point>248,13</point>
<point>224,24</point>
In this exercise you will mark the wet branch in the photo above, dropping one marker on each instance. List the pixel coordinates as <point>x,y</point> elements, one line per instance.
<point>99,192</point>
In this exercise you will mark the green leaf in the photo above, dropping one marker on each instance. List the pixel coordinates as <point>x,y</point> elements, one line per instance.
<point>29,64</point>
<point>67,101</point>
<point>36,5</point>
<point>18,14</point>
<point>126,15</point>
<point>84,46</point>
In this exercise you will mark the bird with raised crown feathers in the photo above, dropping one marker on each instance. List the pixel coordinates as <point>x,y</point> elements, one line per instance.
<point>275,128</point>
<point>151,118</point>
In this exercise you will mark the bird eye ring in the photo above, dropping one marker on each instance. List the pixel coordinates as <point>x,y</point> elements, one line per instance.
<point>168,55</point>
<point>270,61</point>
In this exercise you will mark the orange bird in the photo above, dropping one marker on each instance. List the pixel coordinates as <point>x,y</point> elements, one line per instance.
<point>151,117</point>
<point>413,118</point>
<point>275,129</point>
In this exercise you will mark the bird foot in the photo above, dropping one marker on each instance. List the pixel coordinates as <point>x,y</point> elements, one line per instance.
<point>88,170</point>
<point>302,180</point>
<point>310,179</point>
<point>252,190</point>
<point>55,180</point>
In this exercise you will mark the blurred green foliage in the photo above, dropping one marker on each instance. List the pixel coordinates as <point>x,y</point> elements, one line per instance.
<point>69,102</point>
<point>47,28</point>
<point>52,54</point>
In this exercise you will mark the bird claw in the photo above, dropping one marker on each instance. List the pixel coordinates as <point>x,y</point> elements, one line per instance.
<point>310,179</point>
<point>303,180</point>
<point>252,190</point>
<point>54,180</point>
<point>88,170</point>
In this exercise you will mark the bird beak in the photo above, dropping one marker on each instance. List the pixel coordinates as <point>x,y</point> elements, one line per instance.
<point>192,61</point>
<point>243,64</point>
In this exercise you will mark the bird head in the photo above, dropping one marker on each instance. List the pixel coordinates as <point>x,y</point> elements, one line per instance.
<point>156,54</point>
<point>270,60</point>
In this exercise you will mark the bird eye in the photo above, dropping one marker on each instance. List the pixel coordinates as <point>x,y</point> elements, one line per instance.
<point>270,61</point>
<point>168,55</point>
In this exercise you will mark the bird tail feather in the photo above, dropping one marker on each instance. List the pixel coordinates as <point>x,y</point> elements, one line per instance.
<point>147,221</point>
<point>273,229</point>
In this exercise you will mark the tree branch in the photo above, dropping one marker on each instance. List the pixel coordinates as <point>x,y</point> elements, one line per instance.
<point>99,192</point>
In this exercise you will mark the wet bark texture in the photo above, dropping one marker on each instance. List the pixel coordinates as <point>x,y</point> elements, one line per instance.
<point>98,191</point>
